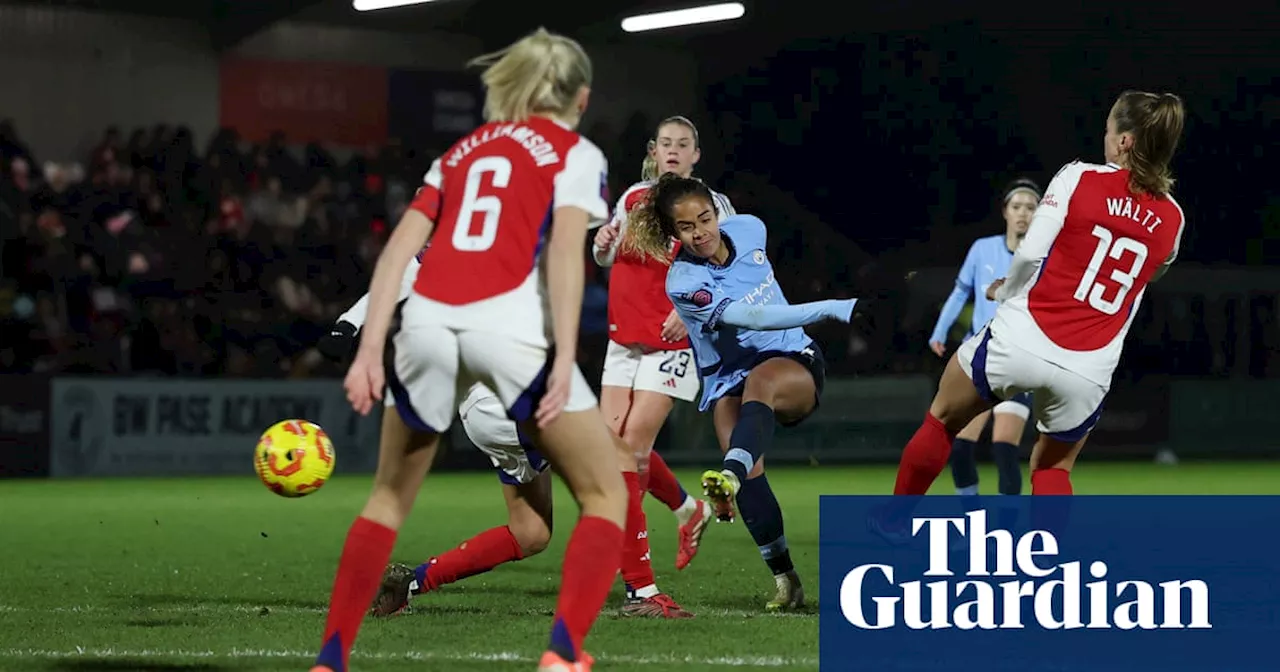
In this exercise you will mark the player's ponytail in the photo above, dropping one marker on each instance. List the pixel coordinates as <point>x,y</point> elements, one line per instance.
<point>651,225</point>
<point>1156,122</point>
<point>649,169</point>
<point>541,73</point>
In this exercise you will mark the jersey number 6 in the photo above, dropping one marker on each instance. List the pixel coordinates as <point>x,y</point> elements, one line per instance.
<point>473,203</point>
<point>1115,249</point>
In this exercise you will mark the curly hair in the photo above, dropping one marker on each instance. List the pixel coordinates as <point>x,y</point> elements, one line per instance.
<point>651,226</point>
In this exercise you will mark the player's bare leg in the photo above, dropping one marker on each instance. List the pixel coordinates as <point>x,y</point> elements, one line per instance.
<point>1051,463</point>
<point>404,458</point>
<point>526,534</point>
<point>580,449</point>
<point>782,390</point>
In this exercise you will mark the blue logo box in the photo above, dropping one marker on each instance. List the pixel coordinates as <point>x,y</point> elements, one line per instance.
<point>1050,583</point>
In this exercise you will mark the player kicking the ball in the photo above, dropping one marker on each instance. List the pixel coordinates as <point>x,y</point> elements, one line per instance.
<point>1100,235</point>
<point>509,206</point>
<point>758,365</point>
<point>648,365</point>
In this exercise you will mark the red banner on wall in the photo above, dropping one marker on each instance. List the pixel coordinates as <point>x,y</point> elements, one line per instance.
<point>323,102</point>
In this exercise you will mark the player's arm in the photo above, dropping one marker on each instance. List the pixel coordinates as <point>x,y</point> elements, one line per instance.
<point>340,342</point>
<point>704,307</point>
<point>604,255</point>
<point>407,240</point>
<point>580,204</point>
<point>959,296</point>
<point>1173,254</point>
<point>1045,226</point>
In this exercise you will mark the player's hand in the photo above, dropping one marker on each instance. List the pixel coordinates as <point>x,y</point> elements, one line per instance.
<point>991,289</point>
<point>673,328</point>
<point>338,344</point>
<point>606,236</point>
<point>938,347</point>
<point>365,381</point>
<point>557,395</point>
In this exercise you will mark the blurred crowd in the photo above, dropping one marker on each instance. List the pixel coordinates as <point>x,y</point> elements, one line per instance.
<point>154,257</point>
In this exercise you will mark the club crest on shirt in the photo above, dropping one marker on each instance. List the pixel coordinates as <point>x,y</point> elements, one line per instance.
<point>758,256</point>
<point>700,298</point>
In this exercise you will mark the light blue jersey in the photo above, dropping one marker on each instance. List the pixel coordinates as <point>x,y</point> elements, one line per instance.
<point>988,260</point>
<point>737,311</point>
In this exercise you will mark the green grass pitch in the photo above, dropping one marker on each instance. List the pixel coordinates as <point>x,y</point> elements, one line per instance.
<point>218,574</point>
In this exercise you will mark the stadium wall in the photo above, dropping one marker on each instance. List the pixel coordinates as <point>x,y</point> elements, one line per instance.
<point>105,427</point>
<point>70,73</point>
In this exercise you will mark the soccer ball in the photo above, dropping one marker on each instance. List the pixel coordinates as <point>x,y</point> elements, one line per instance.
<point>294,458</point>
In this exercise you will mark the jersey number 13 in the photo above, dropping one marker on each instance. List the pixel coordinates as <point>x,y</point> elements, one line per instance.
<point>498,169</point>
<point>1093,292</point>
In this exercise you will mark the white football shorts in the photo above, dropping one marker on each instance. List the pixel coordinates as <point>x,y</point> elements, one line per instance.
<point>670,372</point>
<point>1066,405</point>
<point>432,366</point>
<point>486,423</point>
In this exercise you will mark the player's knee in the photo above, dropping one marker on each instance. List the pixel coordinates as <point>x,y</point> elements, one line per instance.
<point>532,533</point>
<point>387,506</point>
<point>605,497</point>
<point>761,388</point>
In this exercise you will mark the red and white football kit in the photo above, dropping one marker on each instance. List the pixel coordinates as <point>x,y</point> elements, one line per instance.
<point>637,357</point>
<point>1072,291</point>
<point>479,309</point>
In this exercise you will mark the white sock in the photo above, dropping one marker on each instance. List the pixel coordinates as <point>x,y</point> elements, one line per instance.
<point>968,491</point>
<point>686,509</point>
<point>648,591</point>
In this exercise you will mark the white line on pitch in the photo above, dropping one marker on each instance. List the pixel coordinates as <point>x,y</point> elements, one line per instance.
<point>124,609</point>
<point>501,656</point>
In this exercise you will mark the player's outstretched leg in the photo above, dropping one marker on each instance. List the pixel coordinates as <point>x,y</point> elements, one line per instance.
<point>778,389</point>
<point>582,452</point>
<point>527,533</point>
<point>404,458</point>
<point>692,515</point>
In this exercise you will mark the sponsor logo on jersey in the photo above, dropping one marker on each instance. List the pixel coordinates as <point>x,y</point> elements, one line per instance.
<point>700,298</point>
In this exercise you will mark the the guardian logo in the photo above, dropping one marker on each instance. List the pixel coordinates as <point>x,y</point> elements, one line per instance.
<point>1036,590</point>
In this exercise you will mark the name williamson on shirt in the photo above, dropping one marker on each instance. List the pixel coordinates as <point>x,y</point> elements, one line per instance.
<point>539,148</point>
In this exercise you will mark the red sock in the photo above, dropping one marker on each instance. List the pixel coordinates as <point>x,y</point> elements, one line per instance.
<point>476,555</point>
<point>636,570</point>
<point>364,557</point>
<point>1051,482</point>
<point>590,566</point>
<point>663,484</point>
<point>924,457</point>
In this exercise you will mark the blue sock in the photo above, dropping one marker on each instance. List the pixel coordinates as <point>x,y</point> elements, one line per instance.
<point>1010,470</point>
<point>964,467</point>
<point>331,654</point>
<point>750,437</point>
<point>763,518</point>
